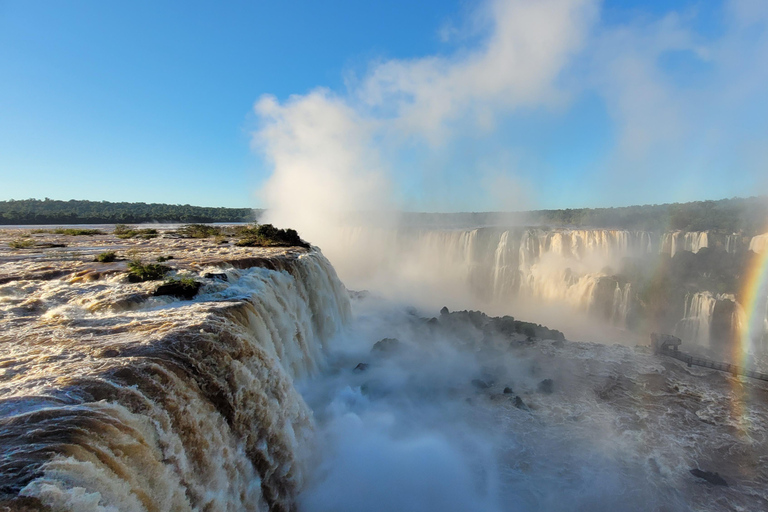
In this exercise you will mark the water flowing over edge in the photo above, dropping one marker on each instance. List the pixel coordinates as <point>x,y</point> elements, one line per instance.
<point>171,406</point>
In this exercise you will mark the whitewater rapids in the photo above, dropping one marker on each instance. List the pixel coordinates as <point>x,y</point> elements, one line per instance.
<point>113,399</point>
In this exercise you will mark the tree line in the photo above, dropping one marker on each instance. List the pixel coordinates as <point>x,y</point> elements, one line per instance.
<point>49,211</point>
<point>736,215</point>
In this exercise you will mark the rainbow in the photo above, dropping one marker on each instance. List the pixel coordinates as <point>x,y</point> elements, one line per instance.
<point>755,302</point>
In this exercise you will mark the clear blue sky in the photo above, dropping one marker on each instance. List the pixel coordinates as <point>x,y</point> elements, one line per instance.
<point>154,100</point>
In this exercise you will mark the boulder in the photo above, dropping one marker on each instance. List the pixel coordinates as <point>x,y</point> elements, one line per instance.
<point>713,478</point>
<point>178,289</point>
<point>361,367</point>
<point>520,404</point>
<point>387,345</point>
<point>546,386</point>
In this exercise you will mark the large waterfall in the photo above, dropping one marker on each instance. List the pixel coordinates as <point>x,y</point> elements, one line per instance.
<point>604,273</point>
<point>118,404</point>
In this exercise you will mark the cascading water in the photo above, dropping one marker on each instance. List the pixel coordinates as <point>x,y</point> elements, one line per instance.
<point>697,319</point>
<point>168,406</point>
<point>621,304</point>
<point>691,241</point>
<point>759,244</point>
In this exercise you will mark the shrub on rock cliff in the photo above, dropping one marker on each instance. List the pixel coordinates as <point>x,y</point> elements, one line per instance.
<point>185,287</point>
<point>123,231</point>
<point>139,272</point>
<point>77,231</point>
<point>21,243</point>
<point>106,257</point>
<point>267,235</point>
<point>198,231</point>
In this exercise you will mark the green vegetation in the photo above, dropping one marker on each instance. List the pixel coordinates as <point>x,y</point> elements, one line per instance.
<point>737,215</point>
<point>123,231</point>
<point>267,235</point>
<point>199,231</point>
<point>139,272</point>
<point>186,287</point>
<point>77,232</point>
<point>21,243</point>
<point>161,259</point>
<point>106,257</point>
<point>48,211</point>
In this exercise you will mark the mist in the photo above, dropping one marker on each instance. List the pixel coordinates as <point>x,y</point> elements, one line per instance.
<point>450,417</point>
<point>457,416</point>
<point>433,133</point>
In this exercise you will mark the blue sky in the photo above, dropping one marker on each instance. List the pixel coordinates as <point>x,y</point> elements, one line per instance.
<point>625,102</point>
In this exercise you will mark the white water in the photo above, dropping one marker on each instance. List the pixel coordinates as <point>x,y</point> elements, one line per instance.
<point>201,412</point>
<point>759,244</point>
<point>697,319</point>
<point>620,431</point>
<point>691,241</point>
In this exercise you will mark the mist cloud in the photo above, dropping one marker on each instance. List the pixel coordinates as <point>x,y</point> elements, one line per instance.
<point>335,151</point>
<point>324,146</point>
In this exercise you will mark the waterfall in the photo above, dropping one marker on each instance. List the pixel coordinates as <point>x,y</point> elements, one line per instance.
<point>504,271</point>
<point>695,325</point>
<point>621,300</point>
<point>187,407</point>
<point>732,243</point>
<point>691,241</point>
<point>759,244</point>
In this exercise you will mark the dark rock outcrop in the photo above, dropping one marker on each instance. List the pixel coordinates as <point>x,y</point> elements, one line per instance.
<point>178,289</point>
<point>713,478</point>
<point>387,346</point>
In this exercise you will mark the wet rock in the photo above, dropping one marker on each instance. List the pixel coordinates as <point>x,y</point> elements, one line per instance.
<point>546,386</point>
<point>178,289</point>
<point>520,404</point>
<point>358,294</point>
<point>361,367</point>
<point>480,384</point>
<point>444,311</point>
<point>387,346</point>
<point>374,389</point>
<point>713,478</point>
<point>216,275</point>
<point>133,301</point>
<point>507,390</point>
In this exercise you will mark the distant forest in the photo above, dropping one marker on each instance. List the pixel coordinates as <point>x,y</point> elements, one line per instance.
<point>737,215</point>
<point>49,211</point>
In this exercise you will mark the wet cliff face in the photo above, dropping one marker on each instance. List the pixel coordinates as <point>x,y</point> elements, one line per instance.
<point>114,397</point>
